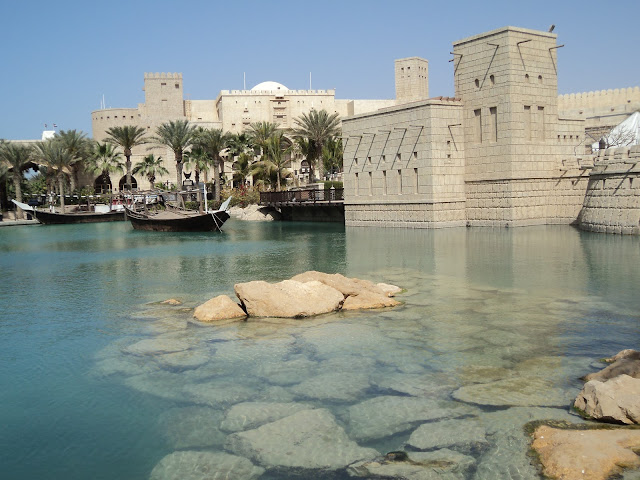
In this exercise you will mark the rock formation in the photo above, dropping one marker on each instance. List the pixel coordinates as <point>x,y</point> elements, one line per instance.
<point>616,400</point>
<point>219,308</point>
<point>586,454</point>
<point>626,362</point>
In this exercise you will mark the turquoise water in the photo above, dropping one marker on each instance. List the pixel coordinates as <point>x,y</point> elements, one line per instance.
<point>80,397</point>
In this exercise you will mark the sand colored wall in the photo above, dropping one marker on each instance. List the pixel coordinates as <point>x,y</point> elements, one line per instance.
<point>612,200</point>
<point>412,79</point>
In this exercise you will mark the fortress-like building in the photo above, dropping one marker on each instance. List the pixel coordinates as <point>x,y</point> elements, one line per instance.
<point>499,153</point>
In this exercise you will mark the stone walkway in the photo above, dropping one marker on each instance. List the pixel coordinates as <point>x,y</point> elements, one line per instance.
<point>11,223</point>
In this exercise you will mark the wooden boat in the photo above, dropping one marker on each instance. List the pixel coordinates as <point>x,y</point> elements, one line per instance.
<point>54,218</point>
<point>175,219</point>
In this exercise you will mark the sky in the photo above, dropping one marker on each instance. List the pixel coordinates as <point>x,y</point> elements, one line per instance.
<point>58,58</point>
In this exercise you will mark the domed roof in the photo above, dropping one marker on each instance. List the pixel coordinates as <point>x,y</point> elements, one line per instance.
<point>269,86</point>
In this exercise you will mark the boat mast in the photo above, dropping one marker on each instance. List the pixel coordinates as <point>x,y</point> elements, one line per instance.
<point>204,189</point>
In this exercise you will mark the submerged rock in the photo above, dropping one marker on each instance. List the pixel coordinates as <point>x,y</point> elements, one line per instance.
<point>367,300</point>
<point>389,290</point>
<point>191,465</point>
<point>616,400</point>
<point>384,416</point>
<point>218,308</point>
<point>192,427</point>
<point>309,440</point>
<point>219,393</point>
<point>255,213</point>
<point>157,346</point>
<point>626,362</point>
<point>517,391</point>
<point>448,433</point>
<point>586,454</point>
<point>250,415</point>
<point>336,386</point>
<point>288,298</point>
<point>439,465</point>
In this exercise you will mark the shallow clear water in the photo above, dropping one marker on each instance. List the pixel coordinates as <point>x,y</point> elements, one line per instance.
<point>98,380</point>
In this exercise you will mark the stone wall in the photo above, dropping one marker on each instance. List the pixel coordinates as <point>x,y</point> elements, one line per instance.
<point>612,200</point>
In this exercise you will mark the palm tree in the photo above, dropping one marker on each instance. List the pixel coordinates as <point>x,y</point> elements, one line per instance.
<point>17,158</point>
<point>260,132</point>
<point>276,156</point>
<point>150,166</point>
<point>178,136</point>
<point>57,157</point>
<point>214,142</point>
<point>242,168</point>
<point>332,155</point>
<point>104,160</point>
<point>127,137</point>
<point>238,143</point>
<point>198,159</point>
<point>317,127</point>
<point>80,148</point>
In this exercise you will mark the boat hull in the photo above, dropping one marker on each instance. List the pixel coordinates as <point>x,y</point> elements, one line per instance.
<point>50,218</point>
<point>208,222</point>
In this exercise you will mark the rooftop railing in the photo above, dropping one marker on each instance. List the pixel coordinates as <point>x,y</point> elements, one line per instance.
<point>303,196</point>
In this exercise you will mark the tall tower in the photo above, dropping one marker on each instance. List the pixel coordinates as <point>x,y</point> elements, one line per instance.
<point>412,79</point>
<point>507,79</point>
<point>163,96</point>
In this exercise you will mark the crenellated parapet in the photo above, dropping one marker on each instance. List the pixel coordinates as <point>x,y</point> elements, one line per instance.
<point>612,200</point>
<point>599,98</point>
<point>169,75</point>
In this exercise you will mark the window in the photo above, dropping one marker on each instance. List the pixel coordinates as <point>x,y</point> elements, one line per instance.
<point>415,180</point>
<point>398,156</point>
<point>477,126</point>
<point>526,78</point>
<point>493,112</point>
<point>356,185</point>
<point>384,182</point>
<point>541,131</point>
<point>415,155</point>
<point>177,85</point>
<point>355,161</point>
<point>492,79</point>
<point>477,82</point>
<point>539,78</point>
<point>527,122</point>
<point>370,184</point>
<point>383,158</point>
<point>399,182</point>
<point>369,160</point>
<point>163,84</point>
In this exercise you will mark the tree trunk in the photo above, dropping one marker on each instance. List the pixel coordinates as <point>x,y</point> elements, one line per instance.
<point>128,167</point>
<point>72,177</point>
<point>179,170</point>
<point>152,180</point>
<point>18,190</point>
<point>216,179</point>
<point>61,186</point>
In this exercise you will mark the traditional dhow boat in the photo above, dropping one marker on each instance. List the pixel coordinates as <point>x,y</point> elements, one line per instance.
<point>101,213</point>
<point>177,219</point>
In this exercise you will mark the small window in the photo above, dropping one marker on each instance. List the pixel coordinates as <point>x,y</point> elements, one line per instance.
<point>526,78</point>
<point>355,161</point>
<point>539,78</point>
<point>399,157</point>
<point>163,84</point>
<point>492,79</point>
<point>383,158</point>
<point>369,160</point>
<point>177,85</point>
<point>477,82</point>
<point>415,155</point>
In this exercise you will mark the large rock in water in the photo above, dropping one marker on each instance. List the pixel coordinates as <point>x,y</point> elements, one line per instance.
<point>616,400</point>
<point>289,298</point>
<point>218,308</point>
<point>193,465</point>
<point>586,454</point>
<point>626,362</point>
<point>251,415</point>
<point>359,294</point>
<point>309,440</point>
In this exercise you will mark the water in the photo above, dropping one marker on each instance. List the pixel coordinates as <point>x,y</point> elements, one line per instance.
<point>98,380</point>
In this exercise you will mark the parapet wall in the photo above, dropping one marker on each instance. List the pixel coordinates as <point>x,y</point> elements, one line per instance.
<point>163,75</point>
<point>612,201</point>
<point>598,99</point>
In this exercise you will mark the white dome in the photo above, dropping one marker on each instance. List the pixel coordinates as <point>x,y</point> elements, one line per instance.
<point>270,86</point>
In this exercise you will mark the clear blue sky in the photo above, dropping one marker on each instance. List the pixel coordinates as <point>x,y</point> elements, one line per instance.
<point>60,57</point>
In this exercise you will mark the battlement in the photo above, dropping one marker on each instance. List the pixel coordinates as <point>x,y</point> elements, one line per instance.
<point>163,75</point>
<point>599,98</point>
<point>618,155</point>
<point>278,93</point>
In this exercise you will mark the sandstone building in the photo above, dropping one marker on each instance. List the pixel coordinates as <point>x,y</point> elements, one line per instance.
<point>500,153</point>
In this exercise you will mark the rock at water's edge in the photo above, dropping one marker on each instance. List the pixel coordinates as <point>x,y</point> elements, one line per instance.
<point>194,465</point>
<point>616,400</point>
<point>171,301</point>
<point>219,308</point>
<point>289,298</point>
<point>626,362</point>
<point>585,454</point>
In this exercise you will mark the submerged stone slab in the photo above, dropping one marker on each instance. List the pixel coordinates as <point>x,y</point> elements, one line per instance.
<point>192,465</point>
<point>250,415</point>
<point>386,415</point>
<point>157,346</point>
<point>218,308</point>
<point>192,427</point>
<point>367,300</point>
<point>439,465</point>
<point>184,360</point>
<point>219,393</point>
<point>308,440</point>
<point>517,391</point>
<point>337,386</point>
<point>289,298</point>
<point>586,454</point>
<point>448,433</point>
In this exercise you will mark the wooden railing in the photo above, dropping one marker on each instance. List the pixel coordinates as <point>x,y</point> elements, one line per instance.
<point>303,196</point>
